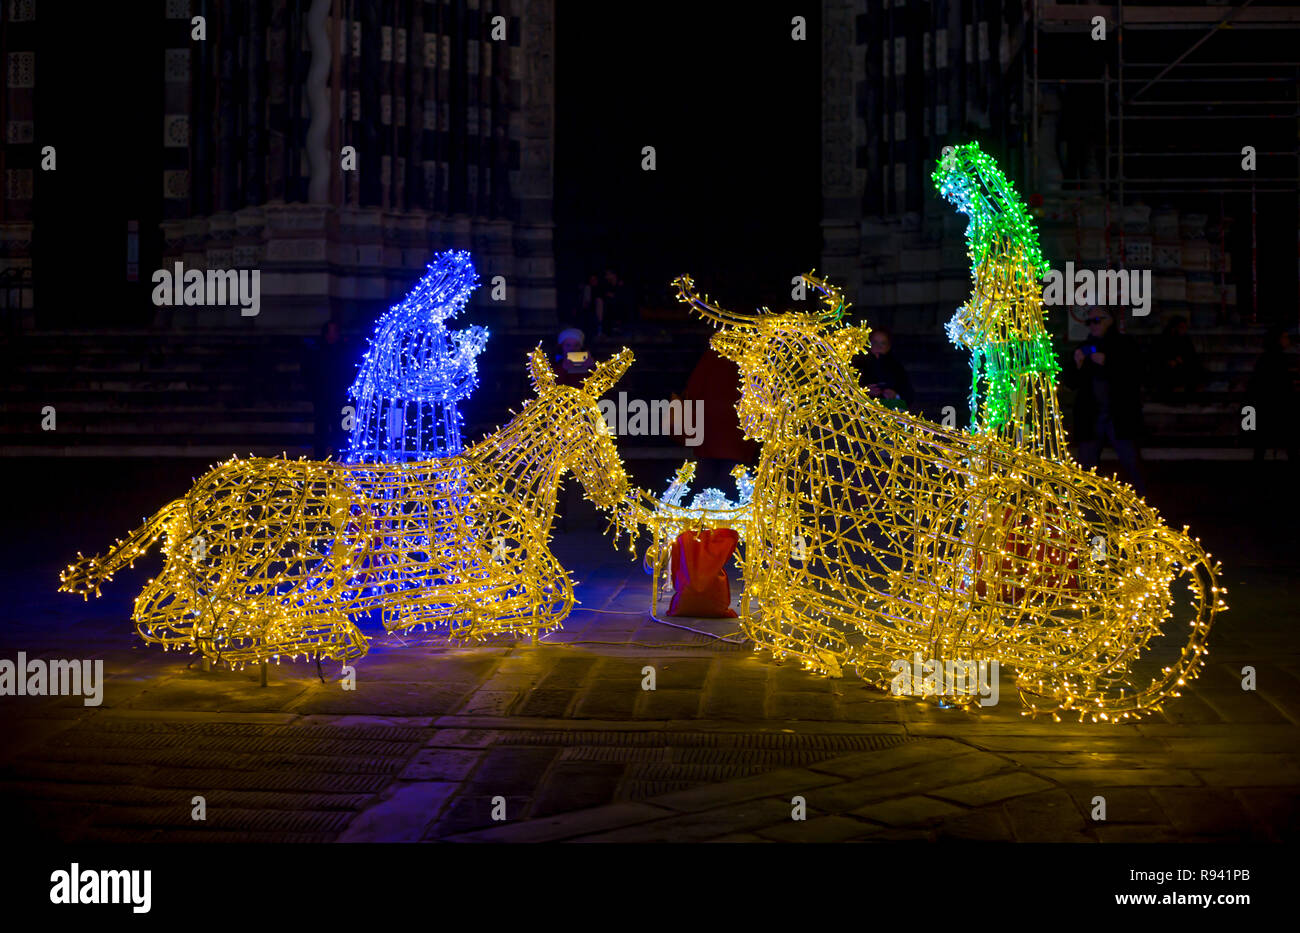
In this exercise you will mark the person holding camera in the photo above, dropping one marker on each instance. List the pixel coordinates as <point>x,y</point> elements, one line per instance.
<point>572,364</point>
<point>1105,375</point>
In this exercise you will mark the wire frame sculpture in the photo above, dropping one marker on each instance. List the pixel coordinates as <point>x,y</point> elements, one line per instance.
<point>669,516</point>
<point>1013,366</point>
<point>406,401</point>
<point>876,536</point>
<point>416,372</point>
<point>268,559</point>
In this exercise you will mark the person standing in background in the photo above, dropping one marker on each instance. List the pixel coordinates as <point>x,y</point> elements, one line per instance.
<point>716,382</point>
<point>572,363</point>
<point>882,373</point>
<point>611,304</point>
<point>1105,373</point>
<point>585,317</point>
<point>1177,365</point>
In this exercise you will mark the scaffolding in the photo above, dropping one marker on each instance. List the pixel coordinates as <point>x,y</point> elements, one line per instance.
<point>1258,96</point>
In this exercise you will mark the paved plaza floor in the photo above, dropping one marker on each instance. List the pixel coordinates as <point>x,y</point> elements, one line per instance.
<point>510,741</point>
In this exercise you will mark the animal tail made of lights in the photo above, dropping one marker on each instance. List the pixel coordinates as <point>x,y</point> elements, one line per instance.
<point>88,574</point>
<point>974,543</point>
<point>270,559</point>
<point>1061,696</point>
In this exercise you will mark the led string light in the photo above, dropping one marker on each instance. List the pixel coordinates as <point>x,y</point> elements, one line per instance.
<point>709,503</point>
<point>268,559</point>
<point>1013,367</point>
<point>709,509</point>
<point>406,400</point>
<point>874,535</point>
<point>416,371</point>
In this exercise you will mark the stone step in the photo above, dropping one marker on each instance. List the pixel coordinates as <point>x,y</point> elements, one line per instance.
<point>137,404</point>
<point>172,391</point>
<point>29,430</point>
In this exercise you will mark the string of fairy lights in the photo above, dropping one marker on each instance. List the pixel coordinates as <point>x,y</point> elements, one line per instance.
<point>874,536</point>
<point>273,559</point>
<point>416,371</point>
<point>1013,366</point>
<point>871,535</point>
<point>406,399</point>
<point>710,508</point>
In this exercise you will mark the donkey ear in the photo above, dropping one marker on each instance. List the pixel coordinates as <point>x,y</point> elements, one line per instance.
<point>607,373</point>
<point>850,341</point>
<point>539,370</point>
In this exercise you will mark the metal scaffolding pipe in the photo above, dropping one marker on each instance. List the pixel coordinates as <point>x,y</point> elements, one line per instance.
<point>1220,178</point>
<point>1119,96</point>
<point>1279,13</point>
<point>1183,152</point>
<point>1258,80</point>
<point>1236,11</point>
<point>1037,182</point>
<point>1106,193</point>
<point>1223,262</point>
<point>1218,64</point>
<point>1211,116</point>
<point>1254,259</point>
<point>1181,103</point>
<point>1117,185</point>
<point>1146,191</point>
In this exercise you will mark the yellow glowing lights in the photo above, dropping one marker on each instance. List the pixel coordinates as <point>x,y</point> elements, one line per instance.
<point>270,558</point>
<point>870,535</point>
<point>874,535</point>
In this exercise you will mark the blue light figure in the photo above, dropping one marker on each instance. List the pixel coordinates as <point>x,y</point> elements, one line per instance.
<point>416,372</point>
<point>406,400</point>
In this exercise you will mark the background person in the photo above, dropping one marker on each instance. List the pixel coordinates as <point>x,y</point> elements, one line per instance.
<point>611,304</point>
<point>1105,373</point>
<point>570,365</point>
<point>1177,365</point>
<point>883,374</point>
<point>716,382</point>
<point>585,318</point>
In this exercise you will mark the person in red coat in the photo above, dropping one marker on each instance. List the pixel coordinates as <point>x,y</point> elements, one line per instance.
<point>716,382</point>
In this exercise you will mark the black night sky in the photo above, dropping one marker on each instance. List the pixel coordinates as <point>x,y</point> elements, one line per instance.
<point>732,106</point>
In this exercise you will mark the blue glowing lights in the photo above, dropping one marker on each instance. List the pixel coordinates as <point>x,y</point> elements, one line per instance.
<point>416,372</point>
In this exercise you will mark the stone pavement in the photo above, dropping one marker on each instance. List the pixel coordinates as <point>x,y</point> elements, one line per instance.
<point>561,739</point>
<point>439,743</point>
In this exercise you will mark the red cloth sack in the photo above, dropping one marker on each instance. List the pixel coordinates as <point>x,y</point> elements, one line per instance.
<point>700,586</point>
<point>1057,559</point>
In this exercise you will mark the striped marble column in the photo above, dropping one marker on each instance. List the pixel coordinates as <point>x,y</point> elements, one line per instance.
<point>177,73</point>
<point>20,155</point>
<point>533,180</point>
<point>844,176</point>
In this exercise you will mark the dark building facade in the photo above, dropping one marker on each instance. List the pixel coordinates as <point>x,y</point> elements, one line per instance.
<point>334,145</point>
<point>901,81</point>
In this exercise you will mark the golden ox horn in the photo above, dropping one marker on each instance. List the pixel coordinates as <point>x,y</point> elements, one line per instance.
<point>687,294</point>
<point>833,303</point>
